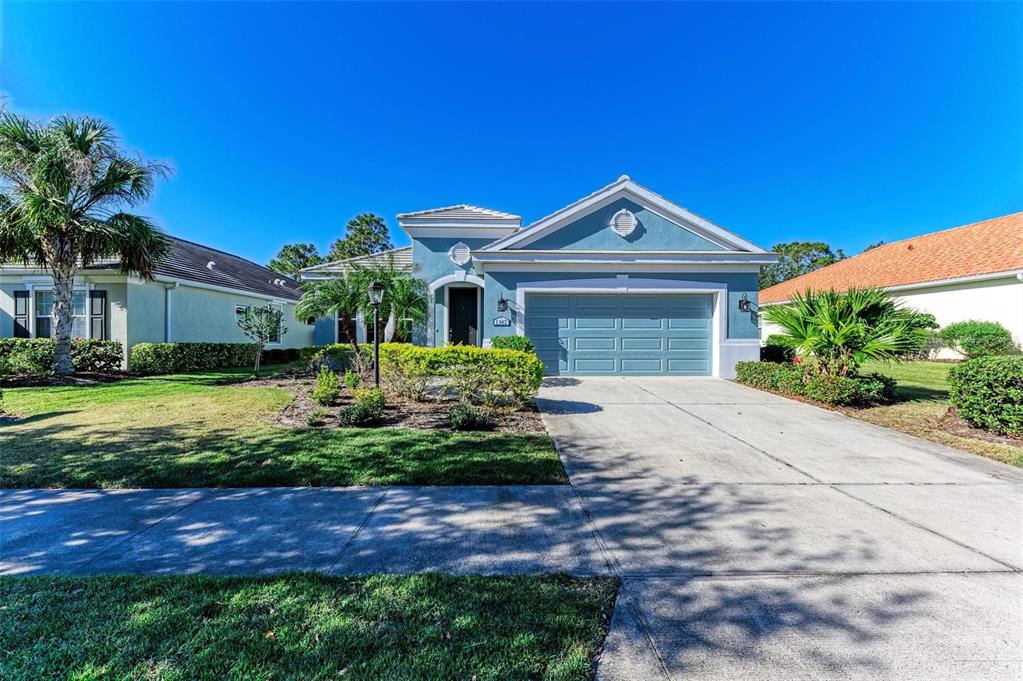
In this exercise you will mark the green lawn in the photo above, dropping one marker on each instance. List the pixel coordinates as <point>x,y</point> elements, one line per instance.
<point>206,430</point>
<point>302,627</point>
<point>923,386</point>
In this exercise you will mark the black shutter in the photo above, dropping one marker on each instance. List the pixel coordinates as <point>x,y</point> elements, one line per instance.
<point>98,315</point>
<point>22,309</point>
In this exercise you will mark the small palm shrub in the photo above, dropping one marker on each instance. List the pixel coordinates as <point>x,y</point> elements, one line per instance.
<point>328,387</point>
<point>367,409</point>
<point>988,392</point>
<point>835,332</point>
<point>467,417</point>
<point>352,380</point>
<point>777,349</point>
<point>520,343</point>
<point>978,339</point>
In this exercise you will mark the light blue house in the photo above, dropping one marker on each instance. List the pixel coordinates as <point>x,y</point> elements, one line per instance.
<point>620,282</point>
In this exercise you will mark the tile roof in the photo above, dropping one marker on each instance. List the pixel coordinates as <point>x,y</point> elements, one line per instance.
<point>986,247</point>
<point>460,211</point>
<point>402,258</point>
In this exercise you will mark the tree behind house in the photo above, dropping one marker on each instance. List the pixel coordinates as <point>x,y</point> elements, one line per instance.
<point>294,257</point>
<point>365,234</point>
<point>797,258</point>
<point>64,188</point>
<point>262,325</point>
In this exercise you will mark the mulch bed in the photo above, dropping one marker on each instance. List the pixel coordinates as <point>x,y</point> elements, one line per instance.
<point>399,412</point>
<point>952,423</point>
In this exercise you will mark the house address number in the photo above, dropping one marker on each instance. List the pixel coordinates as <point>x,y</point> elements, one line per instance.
<point>502,321</point>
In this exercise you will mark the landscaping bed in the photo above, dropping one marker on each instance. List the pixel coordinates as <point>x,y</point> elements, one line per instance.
<point>304,626</point>
<point>399,412</point>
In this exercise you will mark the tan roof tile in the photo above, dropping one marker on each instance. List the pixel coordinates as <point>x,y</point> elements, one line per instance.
<point>980,248</point>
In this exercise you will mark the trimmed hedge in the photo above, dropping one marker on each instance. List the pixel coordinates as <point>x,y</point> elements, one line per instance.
<point>791,379</point>
<point>171,358</point>
<point>974,339</point>
<point>34,356</point>
<point>520,343</point>
<point>988,393</point>
<point>337,356</point>
<point>776,349</point>
<point>494,377</point>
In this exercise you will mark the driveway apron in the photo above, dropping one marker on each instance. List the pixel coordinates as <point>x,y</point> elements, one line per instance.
<point>759,537</point>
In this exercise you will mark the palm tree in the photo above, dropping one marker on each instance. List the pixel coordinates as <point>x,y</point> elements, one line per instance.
<point>64,187</point>
<point>838,331</point>
<point>409,305</point>
<point>342,296</point>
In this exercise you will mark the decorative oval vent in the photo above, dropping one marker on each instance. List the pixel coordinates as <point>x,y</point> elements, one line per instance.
<point>460,254</point>
<point>623,222</point>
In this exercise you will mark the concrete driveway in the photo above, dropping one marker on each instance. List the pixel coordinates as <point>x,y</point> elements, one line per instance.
<point>761,538</point>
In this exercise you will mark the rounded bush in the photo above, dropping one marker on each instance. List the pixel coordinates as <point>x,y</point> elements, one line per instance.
<point>978,339</point>
<point>776,349</point>
<point>988,393</point>
<point>468,417</point>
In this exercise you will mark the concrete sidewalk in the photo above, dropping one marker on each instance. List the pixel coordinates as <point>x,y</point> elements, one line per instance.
<point>507,530</point>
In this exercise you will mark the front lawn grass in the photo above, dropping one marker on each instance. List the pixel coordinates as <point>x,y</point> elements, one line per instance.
<point>923,387</point>
<point>302,626</point>
<point>207,430</point>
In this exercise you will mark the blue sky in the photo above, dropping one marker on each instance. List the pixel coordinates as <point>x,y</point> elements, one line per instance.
<point>843,122</point>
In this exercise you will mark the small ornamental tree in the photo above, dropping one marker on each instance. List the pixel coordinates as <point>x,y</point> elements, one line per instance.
<point>262,325</point>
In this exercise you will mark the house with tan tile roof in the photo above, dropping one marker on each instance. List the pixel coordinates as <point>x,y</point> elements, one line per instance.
<point>970,272</point>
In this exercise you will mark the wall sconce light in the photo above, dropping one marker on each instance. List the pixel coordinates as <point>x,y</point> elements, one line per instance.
<point>745,304</point>
<point>502,304</point>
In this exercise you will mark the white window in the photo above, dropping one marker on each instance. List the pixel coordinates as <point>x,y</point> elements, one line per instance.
<point>46,323</point>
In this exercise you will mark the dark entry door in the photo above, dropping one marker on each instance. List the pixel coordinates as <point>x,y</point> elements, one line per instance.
<point>463,316</point>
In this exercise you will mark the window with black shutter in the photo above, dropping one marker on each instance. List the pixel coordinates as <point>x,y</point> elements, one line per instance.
<point>21,312</point>
<point>98,315</point>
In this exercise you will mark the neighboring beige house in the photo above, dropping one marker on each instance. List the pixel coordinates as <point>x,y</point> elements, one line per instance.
<point>969,272</point>
<point>196,296</point>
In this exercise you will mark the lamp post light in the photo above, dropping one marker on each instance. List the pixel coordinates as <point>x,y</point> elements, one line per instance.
<point>376,296</point>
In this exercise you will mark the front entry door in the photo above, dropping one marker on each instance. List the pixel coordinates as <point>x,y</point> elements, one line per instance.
<point>463,316</point>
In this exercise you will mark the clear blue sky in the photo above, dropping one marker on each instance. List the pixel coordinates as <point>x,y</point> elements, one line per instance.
<point>842,122</point>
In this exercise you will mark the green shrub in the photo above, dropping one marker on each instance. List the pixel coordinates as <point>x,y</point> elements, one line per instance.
<point>776,349</point>
<point>34,356</point>
<point>988,392</point>
<point>467,417</point>
<point>792,379</point>
<point>317,416</point>
<point>978,339</point>
<point>520,343</point>
<point>337,356</point>
<point>352,380</point>
<point>367,409</point>
<point>328,387</point>
<point>493,377</point>
<point>281,355</point>
<point>169,358</point>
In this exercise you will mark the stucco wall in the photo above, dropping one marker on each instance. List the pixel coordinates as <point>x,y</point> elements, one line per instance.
<point>7,308</point>
<point>652,233</point>
<point>431,256</point>
<point>739,325</point>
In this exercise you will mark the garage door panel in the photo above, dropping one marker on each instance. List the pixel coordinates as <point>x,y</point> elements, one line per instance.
<point>621,333</point>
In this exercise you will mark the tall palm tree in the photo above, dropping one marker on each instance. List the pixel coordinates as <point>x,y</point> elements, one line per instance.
<point>837,331</point>
<point>64,188</point>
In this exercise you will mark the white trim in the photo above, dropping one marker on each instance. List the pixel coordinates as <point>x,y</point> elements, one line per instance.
<point>620,267</point>
<point>989,276</point>
<point>459,232</point>
<point>479,311</point>
<point>459,277</point>
<point>625,257</point>
<point>623,187</point>
<point>168,326</point>
<point>625,284</point>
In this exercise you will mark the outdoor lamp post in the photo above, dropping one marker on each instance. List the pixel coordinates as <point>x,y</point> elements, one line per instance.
<point>376,296</point>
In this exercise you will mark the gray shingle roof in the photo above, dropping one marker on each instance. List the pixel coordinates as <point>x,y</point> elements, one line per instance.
<point>189,260</point>
<point>460,211</point>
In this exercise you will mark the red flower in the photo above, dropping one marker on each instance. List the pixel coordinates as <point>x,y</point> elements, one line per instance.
<point>797,360</point>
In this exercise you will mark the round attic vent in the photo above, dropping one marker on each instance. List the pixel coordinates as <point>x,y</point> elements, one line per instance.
<point>623,222</point>
<point>460,254</point>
